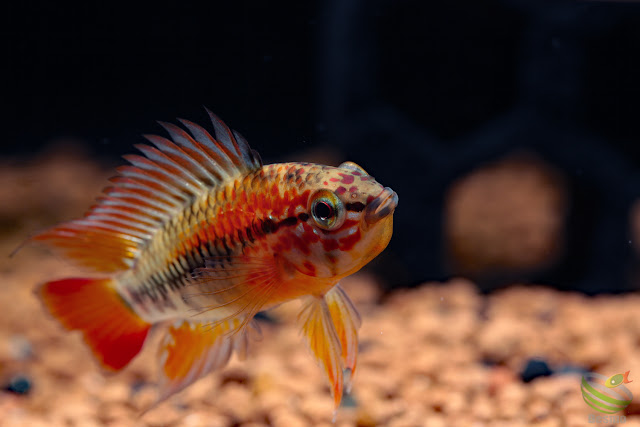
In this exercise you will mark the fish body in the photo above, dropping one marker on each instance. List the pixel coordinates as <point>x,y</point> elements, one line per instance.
<point>199,235</point>
<point>618,379</point>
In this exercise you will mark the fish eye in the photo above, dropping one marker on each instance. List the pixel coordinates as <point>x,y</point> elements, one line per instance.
<point>323,210</point>
<point>327,210</point>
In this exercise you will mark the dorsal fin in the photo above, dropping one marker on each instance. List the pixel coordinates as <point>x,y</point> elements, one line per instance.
<point>146,194</point>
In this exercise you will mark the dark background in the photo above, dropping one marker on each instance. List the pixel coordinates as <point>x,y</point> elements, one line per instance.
<point>419,93</point>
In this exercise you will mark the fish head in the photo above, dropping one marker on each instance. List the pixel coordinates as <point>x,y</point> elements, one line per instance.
<point>350,221</point>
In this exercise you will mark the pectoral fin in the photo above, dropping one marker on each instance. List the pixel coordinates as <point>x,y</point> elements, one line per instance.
<point>233,287</point>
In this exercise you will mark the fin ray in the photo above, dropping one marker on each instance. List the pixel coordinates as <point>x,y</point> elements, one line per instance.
<point>346,321</point>
<point>191,350</point>
<point>322,339</point>
<point>249,289</point>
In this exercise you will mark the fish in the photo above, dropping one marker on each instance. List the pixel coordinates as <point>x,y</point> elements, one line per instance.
<point>195,236</point>
<point>618,379</point>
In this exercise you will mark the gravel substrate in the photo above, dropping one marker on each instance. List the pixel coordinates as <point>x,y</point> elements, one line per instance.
<point>438,355</point>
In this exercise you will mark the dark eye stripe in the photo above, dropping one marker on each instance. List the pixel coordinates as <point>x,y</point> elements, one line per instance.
<point>355,207</point>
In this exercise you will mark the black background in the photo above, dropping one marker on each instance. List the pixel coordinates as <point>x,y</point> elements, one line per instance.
<point>417,92</point>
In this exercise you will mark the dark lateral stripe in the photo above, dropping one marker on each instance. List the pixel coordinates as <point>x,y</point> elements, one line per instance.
<point>355,207</point>
<point>269,226</point>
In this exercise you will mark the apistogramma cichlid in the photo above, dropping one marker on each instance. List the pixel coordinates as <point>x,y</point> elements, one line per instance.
<point>199,235</point>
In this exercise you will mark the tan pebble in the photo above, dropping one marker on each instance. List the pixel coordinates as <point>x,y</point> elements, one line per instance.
<point>76,412</point>
<point>500,376</point>
<point>32,421</point>
<point>263,383</point>
<point>435,420</point>
<point>205,389</point>
<point>341,421</point>
<point>202,419</point>
<point>512,395</point>
<point>549,422</point>
<point>318,408</point>
<point>93,383</point>
<point>577,418</point>
<point>416,389</point>
<point>144,398</point>
<point>538,409</point>
<point>114,413</point>
<point>268,402</point>
<point>162,415</point>
<point>282,417</point>
<point>378,381</point>
<point>509,422</point>
<point>455,403</point>
<point>379,412</point>
<point>116,391</point>
<point>413,417</point>
<point>236,402</point>
<point>482,407</point>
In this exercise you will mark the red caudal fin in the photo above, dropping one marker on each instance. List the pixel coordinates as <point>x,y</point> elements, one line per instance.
<point>110,328</point>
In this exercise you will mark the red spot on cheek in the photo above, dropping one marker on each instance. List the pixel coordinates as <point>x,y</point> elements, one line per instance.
<point>326,183</point>
<point>353,189</point>
<point>334,179</point>
<point>310,268</point>
<point>346,179</point>
<point>309,235</point>
<point>301,245</point>
<point>370,199</point>
<point>347,243</point>
<point>356,173</point>
<point>330,244</point>
<point>340,191</point>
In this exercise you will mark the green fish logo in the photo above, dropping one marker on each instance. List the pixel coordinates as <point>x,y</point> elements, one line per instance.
<point>607,395</point>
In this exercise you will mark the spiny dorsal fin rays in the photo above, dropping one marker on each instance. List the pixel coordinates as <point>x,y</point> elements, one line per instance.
<point>148,178</point>
<point>147,194</point>
<point>144,185</point>
<point>173,167</point>
<point>251,154</point>
<point>179,156</point>
<point>152,169</point>
<point>196,151</point>
<point>216,151</point>
<point>225,136</point>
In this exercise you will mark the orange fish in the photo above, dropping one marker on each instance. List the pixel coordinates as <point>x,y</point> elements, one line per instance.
<point>197,234</point>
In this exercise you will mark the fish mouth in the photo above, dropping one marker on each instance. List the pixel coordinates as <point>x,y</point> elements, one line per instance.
<point>381,207</point>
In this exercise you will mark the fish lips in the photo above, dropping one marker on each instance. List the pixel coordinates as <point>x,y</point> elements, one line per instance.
<point>381,207</point>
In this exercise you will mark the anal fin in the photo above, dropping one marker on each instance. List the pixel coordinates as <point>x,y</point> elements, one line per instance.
<point>191,350</point>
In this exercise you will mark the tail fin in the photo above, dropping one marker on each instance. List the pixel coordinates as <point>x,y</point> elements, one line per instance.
<point>110,328</point>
